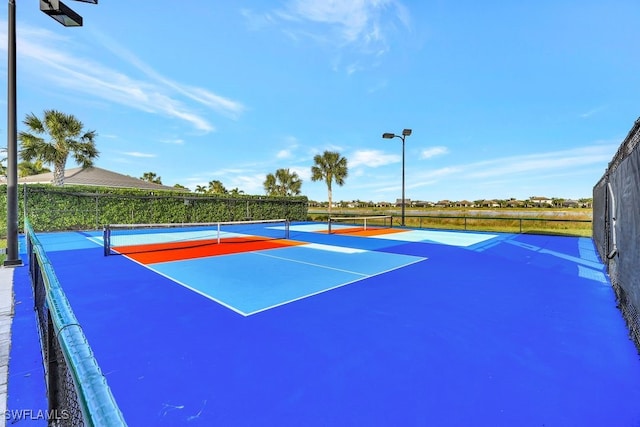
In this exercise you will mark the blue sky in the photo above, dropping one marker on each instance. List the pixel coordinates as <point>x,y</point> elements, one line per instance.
<point>505,99</point>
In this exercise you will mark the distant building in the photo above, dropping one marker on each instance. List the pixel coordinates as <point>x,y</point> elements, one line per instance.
<point>490,204</point>
<point>541,201</point>
<point>515,203</point>
<point>422,204</point>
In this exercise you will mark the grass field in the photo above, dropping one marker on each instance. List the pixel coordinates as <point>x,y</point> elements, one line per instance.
<point>570,222</point>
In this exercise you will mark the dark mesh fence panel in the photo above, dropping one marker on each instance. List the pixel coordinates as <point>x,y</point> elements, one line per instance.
<point>616,229</point>
<point>601,219</point>
<point>624,267</point>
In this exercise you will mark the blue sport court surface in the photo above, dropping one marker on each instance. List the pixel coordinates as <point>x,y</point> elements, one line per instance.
<point>410,327</point>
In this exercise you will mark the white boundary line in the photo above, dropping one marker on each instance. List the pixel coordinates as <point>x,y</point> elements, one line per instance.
<point>332,288</point>
<point>326,267</point>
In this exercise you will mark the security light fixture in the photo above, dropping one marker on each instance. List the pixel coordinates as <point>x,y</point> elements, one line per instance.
<point>61,13</point>
<point>405,133</point>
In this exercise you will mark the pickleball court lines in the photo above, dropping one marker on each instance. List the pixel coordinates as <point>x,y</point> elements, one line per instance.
<point>253,282</point>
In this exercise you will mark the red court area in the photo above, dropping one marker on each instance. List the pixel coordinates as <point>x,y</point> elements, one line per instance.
<point>177,251</point>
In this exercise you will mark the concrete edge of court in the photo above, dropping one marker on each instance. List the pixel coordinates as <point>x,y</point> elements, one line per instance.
<point>6,319</point>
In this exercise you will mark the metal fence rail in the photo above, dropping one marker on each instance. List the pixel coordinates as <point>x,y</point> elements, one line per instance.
<point>515,224</point>
<point>77,390</point>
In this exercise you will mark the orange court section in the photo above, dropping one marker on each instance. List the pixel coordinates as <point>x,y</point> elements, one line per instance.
<point>177,251</point>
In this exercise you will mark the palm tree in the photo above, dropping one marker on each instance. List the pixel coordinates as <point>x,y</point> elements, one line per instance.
<point>151,177</point>
<point>67,136</point>
<point>200,189</point>
<point>236,191</point>
<point>270,185</point>
<point>284,183</point>
<point>216,187</point>
<point>329,167</point>
<point>28,168</point>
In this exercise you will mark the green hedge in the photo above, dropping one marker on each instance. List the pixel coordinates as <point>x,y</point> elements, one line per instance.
<point>51,208</point>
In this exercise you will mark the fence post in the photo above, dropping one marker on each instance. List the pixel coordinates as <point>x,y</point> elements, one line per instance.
<point>97,214</point>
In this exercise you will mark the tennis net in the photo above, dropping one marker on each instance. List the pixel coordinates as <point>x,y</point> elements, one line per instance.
<point>353,224</point>
<point>135,238</point>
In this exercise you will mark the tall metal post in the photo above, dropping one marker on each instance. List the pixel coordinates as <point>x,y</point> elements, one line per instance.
<point>403,198</point>
<point>12,258</point>
<point>405,133</point>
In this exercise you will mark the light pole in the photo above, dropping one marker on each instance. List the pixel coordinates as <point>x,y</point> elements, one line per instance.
<point>405,133</point>
<point>12,259</point>
<point>67,17</point>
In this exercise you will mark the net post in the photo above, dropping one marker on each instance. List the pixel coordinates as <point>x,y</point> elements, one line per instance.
<point>106,240</point>
<point>287,229</point>
<point>329,225</point>
<point>218,232</point>
<point>365,224</point>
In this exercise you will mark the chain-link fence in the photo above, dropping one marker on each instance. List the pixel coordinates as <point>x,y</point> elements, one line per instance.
<point>616,227</point>
<point>77,391</point>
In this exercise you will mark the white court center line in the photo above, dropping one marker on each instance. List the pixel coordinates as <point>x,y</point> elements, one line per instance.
<point>312,264</point>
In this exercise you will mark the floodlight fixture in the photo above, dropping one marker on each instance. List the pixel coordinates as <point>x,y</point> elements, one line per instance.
<point>405,133</point>
<point>61,13</point>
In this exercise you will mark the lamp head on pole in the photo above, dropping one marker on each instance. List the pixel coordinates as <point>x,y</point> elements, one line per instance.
<point>61,13</point>
<point>388,135</point>
<point>406,132</point>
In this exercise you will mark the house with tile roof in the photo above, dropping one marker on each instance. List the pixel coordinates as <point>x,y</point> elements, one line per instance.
<point>96,177</point>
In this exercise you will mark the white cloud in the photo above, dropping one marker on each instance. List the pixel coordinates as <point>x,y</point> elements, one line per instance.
<point>363,25</point>
<point>355,20</point>
<point>372,158</point>
<point>433,151</point>
<point>256,21</point>
<point>284,154</point>
<point>288,152</point>
<point>250,184</point>
<point>304,172</point>
<point>592,112</point>
<point>542,162</point>
<point>151,92</point>
<point>176,141</point>
<point>138,154</point>
<point>508,168</point>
